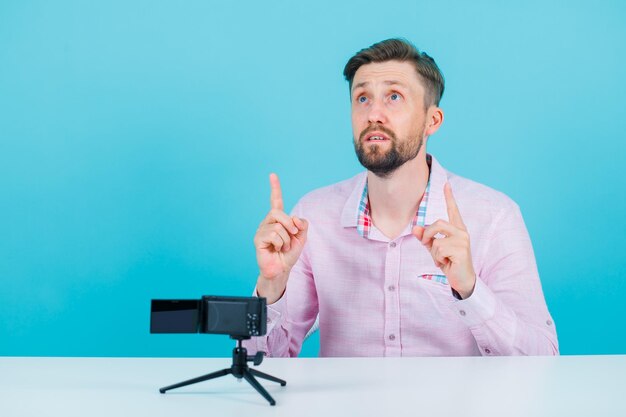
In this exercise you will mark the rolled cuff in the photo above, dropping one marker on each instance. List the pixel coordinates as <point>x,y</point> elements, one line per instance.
<point>478,307</point>
<point>275,317</point>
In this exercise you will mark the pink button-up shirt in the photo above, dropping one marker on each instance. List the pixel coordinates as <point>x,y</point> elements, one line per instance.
<point>382,297</point>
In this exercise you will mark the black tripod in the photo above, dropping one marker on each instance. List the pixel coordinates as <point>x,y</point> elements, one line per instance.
<point>239,370</point>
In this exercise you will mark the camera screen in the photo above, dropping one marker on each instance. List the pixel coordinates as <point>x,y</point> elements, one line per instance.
<point>174,316</point>
<point>229,317</point>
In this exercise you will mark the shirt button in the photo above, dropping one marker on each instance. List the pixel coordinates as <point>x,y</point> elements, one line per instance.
<point>462,312</point>
<point>391,288</point>
<point>392,244</point>
<point>549,322</point>
<point>392,337</point>
<point>487,351</point>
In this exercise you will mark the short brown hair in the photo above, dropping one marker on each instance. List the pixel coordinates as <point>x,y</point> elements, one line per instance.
<point>397,49</point>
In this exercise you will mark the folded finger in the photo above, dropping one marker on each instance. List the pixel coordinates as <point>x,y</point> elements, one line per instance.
<point>283,234</point>
<point>279,216</point>
<point>440,226</point>
<point>274,235</point>
<point>276,241</point>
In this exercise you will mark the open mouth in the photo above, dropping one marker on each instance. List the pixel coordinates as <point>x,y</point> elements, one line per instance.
<point>376,137</point>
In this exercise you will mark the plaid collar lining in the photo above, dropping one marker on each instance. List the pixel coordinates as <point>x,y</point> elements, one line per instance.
<point>364,219</point>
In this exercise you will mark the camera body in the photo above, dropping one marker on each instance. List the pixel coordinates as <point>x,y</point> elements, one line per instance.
<point>239,317</point>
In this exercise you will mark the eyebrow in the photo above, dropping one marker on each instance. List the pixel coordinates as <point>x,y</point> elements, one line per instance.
<point>390,82</point>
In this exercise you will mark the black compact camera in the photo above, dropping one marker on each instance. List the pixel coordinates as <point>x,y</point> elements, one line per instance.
<point>239,317</point>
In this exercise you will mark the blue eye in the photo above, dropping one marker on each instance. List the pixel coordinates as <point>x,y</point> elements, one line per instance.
<point>362,99</point>
<point>395,96</point>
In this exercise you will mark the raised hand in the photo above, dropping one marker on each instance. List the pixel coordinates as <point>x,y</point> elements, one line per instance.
<point>451,252</point>
<point>279,241</point>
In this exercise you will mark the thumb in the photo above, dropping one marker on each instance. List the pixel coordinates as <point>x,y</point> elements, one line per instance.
<point>302,225</point>
<point>418,232</point>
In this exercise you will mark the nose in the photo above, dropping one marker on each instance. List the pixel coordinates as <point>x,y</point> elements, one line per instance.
<point>376,113</point>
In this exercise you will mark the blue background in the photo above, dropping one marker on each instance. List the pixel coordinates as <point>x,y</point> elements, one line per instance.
<point>136,138</point>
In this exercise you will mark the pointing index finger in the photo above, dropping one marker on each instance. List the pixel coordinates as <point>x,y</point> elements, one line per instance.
<point>454,215</point>
<point>276,197</point>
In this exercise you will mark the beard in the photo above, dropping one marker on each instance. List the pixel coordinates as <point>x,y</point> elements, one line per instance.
<point>384,162</point>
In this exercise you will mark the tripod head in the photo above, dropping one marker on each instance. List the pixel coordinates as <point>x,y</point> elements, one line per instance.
<point>240,353</point>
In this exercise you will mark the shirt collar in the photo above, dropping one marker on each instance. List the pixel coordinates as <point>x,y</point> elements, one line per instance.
<point>433,204</point>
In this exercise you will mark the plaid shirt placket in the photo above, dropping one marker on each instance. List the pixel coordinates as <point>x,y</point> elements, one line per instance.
<point>420,216</point>
<point>364,220</point>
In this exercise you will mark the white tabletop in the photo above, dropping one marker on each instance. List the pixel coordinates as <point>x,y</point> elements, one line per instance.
<point>509,386</point>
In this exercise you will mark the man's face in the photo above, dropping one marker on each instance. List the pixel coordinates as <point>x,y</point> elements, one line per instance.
<point>388,115</point>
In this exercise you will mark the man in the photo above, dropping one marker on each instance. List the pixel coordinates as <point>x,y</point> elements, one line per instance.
<point>406,259</point>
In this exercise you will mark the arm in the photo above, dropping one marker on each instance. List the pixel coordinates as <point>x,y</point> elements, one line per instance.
<point>502,304</point>
<point>290,318</point>
<point>280,243</point>
<point>507,312</point>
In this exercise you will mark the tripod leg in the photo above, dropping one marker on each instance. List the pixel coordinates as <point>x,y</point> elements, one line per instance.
<point>206,377</point>
<point>268,377</point>
<point>248,377</point>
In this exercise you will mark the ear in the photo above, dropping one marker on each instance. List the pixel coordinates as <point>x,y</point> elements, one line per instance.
<point>434,119</point>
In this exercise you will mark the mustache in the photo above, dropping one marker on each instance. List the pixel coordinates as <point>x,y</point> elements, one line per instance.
<point>377,128</point>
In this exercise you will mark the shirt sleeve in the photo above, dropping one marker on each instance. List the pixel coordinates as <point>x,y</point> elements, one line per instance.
<point>507,312</point>
<point>290,318</point>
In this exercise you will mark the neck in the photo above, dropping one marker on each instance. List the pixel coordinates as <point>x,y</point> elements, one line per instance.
<point>394,200</point>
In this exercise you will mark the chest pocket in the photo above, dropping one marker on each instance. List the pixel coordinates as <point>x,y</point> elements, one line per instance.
<point>434,284</point>
<point>435,278</point>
